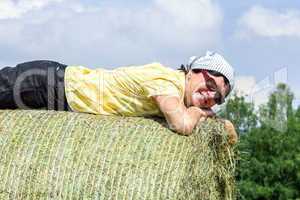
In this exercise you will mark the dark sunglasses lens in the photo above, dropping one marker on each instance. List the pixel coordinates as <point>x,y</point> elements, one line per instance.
<point>218,98</point>
<point>211,85</point>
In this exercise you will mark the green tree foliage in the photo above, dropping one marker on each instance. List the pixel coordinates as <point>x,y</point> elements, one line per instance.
<point>240,112</point>
<point>269,166</point>
<point>278,112</point>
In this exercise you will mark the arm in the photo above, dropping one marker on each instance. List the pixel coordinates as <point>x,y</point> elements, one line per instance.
<point>179,117</point>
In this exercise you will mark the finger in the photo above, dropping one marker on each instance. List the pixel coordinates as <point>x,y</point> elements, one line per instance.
<point>202,119</point>
<point>209,112</point>
<point>233,136</point>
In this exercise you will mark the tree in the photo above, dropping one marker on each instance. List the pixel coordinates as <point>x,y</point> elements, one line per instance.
<point>240,113</point>
<point>270,153</point>
<point>279,110</point>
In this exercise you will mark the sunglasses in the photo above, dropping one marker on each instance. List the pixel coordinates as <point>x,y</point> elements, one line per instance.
<point>211,84</point>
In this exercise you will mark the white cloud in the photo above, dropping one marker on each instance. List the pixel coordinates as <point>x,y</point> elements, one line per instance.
<point>244,85</point>
<point>78,32</point>
<point>264,22</point>
<point>15,9</point>
<point>258,91</point>
<point>254,91</point>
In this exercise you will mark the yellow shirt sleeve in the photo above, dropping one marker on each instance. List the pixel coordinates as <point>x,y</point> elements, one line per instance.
<point>161,87</point>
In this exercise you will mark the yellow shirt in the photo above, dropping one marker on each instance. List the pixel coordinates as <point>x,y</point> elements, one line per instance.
<point>124,91</point>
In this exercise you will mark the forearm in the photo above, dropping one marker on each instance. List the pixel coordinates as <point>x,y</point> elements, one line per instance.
<point>187,121</point>
<point>179,117</point>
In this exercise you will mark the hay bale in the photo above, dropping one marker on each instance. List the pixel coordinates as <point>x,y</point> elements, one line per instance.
<point>64,155</point>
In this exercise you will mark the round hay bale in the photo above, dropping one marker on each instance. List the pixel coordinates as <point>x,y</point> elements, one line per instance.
<point>65,155</point>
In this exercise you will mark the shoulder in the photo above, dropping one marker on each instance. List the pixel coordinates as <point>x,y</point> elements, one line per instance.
<point>157,68</point>
<point>158,71</point>
<point>150,69</point>
<point>156,65</point>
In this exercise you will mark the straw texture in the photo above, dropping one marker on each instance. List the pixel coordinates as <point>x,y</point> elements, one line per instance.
<point>64,155</point>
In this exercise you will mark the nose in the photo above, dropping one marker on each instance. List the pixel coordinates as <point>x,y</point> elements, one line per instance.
<point>210,98</point>
<point>210,94</point>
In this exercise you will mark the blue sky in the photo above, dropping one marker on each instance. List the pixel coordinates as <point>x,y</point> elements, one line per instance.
<point>261,39</point>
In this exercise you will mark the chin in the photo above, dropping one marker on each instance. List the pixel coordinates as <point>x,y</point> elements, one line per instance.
<point>197,104</point>
<point>204,105</point>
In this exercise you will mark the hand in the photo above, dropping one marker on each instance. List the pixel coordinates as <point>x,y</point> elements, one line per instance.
<point>232,135</point>
<point>208,112</point>
<point>205,112</point>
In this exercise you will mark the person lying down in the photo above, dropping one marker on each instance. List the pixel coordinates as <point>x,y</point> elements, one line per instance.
<point>184,96</point>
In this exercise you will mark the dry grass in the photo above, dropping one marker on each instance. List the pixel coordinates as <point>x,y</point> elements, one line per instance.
<point>63,155</point>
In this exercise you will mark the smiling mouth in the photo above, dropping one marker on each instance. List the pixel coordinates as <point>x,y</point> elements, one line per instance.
<point>201,97</point>
<point>203,93</point>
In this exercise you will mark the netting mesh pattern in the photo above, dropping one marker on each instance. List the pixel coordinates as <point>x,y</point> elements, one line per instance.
<point>64,155</point>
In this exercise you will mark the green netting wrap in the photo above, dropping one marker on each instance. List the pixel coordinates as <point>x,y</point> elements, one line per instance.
<point>65,155</point>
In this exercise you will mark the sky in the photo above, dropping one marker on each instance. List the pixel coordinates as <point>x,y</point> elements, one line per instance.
<point>260,39</point>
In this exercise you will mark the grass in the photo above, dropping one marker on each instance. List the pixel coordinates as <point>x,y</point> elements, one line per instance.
<point>64,155</point>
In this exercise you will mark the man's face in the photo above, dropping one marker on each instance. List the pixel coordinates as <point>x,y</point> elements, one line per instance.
<point>199,91</point>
